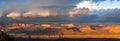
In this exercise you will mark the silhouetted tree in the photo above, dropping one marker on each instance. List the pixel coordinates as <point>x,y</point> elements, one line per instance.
<point>5,37</point>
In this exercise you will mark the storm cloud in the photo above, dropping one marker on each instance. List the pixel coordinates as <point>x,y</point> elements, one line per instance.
<point>37,11</point>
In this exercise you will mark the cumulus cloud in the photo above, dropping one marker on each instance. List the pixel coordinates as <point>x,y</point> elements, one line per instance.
<point>40,13</point>
<point>87,4</point>
<point>14,15</point>
<point>91,5</point>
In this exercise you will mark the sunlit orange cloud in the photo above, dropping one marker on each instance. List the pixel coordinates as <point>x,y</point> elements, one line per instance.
<point>0,15</point>
<point>14,15</point>
<point>41,13</point>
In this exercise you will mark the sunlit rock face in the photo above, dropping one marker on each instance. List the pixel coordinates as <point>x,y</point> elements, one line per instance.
<point>114,28</point>
<point>68,25</point>
<point>46,25</point>
<point>85,28</point>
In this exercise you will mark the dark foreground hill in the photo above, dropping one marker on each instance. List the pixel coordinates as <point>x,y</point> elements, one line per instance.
<point>68,39</point>
<point>5,37</point>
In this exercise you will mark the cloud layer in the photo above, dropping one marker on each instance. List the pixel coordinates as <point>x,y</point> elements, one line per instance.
<point>77,11</point>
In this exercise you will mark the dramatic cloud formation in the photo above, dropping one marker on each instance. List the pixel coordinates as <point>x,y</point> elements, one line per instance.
<point>71,11</point>
<point>90,5</point>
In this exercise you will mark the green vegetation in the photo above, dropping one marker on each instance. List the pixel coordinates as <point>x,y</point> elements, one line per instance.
<point>5,37</point>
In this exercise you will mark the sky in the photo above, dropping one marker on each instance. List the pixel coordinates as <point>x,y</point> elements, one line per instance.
<point>59,11</point>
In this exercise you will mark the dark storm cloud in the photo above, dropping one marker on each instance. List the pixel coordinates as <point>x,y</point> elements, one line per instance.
<point>43,2</point>
<point>108,16</point>
<point>57,5</point>
<point>33,7</point>
<point>37,11</point>
<point>112,16</point>
<point>56,2</point>
<point>98,16</point>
